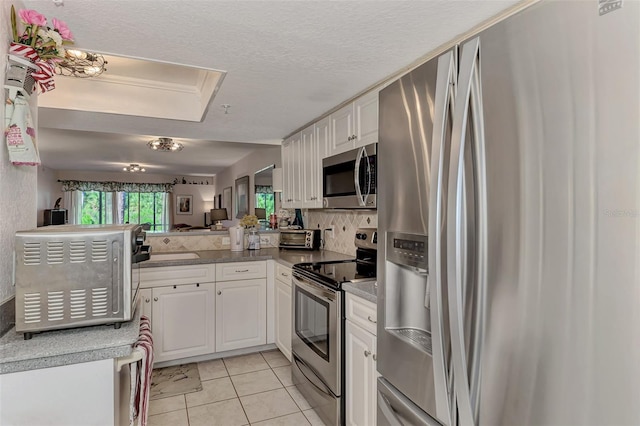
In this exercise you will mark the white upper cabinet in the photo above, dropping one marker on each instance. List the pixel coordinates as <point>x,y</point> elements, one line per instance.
<point>291,171</point>
<point>343,130</point>
<point>352,126</point>
<point>355,125</point>
<point>366,119</point>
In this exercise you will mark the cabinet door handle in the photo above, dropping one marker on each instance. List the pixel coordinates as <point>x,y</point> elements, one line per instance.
<point>371,319</point>
<point>283,274</point>
<point>147,300</point>
<point>375,358</point>
<point>367,353</point>
<point>155,299</point>
<point>219,292</point>
<point>243,270</point>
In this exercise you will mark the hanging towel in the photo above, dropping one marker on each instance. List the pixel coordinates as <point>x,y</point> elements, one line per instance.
<point>141,375</point>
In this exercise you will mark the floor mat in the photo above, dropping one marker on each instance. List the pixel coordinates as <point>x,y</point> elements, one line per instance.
<point>176,380</point>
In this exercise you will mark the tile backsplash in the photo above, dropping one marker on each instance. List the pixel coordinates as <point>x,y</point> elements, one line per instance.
<point>201,241</point>
<point>346,223</point>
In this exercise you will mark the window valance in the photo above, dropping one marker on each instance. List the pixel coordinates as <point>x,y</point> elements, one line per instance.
<point>263,189</point>
<point>79,185</point>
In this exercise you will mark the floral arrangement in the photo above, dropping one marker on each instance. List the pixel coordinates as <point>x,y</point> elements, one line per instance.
<point>249,221</point>
<point>46,41</point>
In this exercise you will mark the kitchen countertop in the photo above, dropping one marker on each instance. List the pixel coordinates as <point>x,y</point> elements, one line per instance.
<point>285,257</point>
<point>368,290</point>
<point>84,344</point>
<point>65,347</point>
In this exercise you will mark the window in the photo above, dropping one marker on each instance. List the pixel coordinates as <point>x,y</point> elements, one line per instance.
<point>96,208</point>
<point>125,207</point>
<point>265,201</point>
<point>144,207</point>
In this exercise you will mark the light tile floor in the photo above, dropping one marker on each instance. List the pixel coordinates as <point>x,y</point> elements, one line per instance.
<point>251,389</point>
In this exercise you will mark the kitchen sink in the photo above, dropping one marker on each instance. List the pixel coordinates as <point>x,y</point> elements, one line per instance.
<point>174,256</point>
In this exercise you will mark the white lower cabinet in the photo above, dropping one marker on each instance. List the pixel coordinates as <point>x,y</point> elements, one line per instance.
<point>183,321</point>
<point>241,314</point>
<point>283,317</point>
<point>146,297</point>
<point>360,367</point>
<point>205,308</point>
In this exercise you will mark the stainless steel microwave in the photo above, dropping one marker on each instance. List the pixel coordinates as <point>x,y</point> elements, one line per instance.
<point>349,179</point>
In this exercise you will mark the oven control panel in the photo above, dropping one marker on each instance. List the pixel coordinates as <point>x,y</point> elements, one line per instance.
<point>366,238</point>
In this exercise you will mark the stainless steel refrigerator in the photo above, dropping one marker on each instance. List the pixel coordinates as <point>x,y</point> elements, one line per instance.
<point>509,225</point>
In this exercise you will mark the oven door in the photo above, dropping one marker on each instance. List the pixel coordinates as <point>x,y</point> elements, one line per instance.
<point>317,334</point>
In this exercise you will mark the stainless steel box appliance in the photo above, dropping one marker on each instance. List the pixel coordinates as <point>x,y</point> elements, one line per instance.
<point>305,239</point>
<point>77,275</point>
<point>349,179</point>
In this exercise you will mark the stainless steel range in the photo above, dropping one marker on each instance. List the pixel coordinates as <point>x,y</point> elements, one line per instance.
<point>318,325</point>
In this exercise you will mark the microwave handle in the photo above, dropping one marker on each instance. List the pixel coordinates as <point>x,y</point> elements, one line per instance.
<point>367,177</point>
<point>356,176</point>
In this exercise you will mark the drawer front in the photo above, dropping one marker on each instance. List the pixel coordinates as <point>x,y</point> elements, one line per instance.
<point>241,271</point>
<point>172,275</point>
<point>361,312</point>
<point>283,274</point>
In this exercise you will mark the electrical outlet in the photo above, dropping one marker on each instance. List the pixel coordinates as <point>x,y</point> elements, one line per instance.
<point>226,240</point>
<point>265,240</point>
<point>330,232</point>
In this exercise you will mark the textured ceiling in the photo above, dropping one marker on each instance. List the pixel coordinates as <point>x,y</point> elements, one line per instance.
<point>288,62</point>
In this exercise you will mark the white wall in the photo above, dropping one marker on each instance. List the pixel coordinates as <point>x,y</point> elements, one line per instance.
<point>202,202</point>
<point>17,183</point>
<point>247,166</point>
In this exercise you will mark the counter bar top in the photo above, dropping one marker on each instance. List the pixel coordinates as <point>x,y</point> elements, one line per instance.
<point>286,257</point>
<point>68,346</point>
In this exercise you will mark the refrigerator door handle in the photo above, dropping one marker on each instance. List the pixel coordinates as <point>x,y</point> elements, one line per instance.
<point>468,105</point>
<point>388,412</point>
<point>444,98</point>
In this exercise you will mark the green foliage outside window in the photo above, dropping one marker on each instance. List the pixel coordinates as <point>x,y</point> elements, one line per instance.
<point>267,202</point>
<point>134,207</point>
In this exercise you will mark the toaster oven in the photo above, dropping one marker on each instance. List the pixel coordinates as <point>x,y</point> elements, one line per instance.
<point>302,239</point>
<point>76,275</point>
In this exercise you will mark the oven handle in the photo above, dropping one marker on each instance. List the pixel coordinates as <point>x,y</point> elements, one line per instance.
<point>314,288</point>
<point>302,366</point>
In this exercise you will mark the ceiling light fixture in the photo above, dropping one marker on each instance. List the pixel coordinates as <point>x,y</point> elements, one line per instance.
<point>81,64</point>
<point>165,145</point>
<point>134,168</point>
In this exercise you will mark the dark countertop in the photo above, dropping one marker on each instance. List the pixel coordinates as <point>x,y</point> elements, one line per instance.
<point>368,290</point>
<point>285,257</point>
<point>84,344</point>
<point>69,346</point>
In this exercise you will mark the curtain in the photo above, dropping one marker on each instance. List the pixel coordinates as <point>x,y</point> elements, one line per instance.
<point>167,217</point>
<point>78,185</point>
<point>73,202</point>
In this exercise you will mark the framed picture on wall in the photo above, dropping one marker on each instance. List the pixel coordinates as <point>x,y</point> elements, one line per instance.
<point>242,197</point>
<point>184,204</point>
<point>226,200</point>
